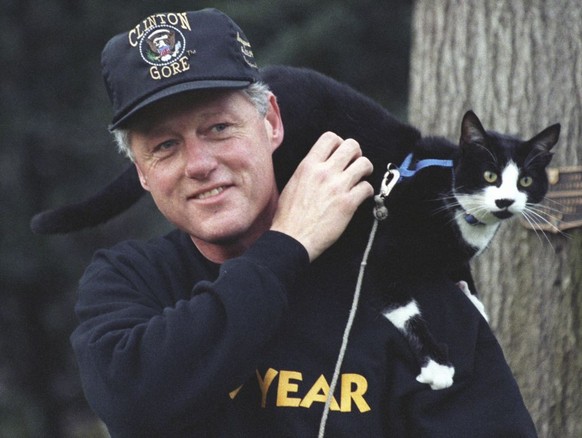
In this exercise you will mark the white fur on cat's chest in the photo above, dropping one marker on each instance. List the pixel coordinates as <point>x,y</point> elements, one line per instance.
<point>477,236</point>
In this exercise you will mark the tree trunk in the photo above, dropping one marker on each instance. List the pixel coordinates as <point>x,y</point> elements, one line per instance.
<point>517,65</point>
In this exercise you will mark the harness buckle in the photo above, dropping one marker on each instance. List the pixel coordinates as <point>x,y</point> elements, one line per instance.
<point>390,179</point>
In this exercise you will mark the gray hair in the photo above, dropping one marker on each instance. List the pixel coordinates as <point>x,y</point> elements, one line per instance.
<point>258,93</point>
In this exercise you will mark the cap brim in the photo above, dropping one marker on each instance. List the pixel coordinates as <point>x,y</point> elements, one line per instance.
<point>176,89</point>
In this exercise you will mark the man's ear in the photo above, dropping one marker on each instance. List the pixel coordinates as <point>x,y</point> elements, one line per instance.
<point>142,178</point>
<point>274,122</point>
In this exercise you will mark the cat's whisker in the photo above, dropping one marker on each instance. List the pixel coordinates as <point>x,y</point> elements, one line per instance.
<point>543,210</point>
<point>454,218</point>
<point>462,213</point>
<point>528,216</point>
<point>558,203</point>
<point>447,207</point>
<point>547,201</point>
<point>533,211</point>
<point>448,196</point>
<point>536,211</point>
<point>476,210</point>
<point>449,202</point>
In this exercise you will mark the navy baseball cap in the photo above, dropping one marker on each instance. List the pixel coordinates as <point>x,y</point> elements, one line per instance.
<point>169,53</point>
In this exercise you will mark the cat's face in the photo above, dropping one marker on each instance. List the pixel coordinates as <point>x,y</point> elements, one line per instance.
<point>498,176</point>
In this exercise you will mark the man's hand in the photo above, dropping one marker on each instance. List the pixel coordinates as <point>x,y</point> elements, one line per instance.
<point>323,194</point>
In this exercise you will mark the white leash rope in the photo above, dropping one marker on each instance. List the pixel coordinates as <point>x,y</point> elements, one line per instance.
<point>391,177</point>
<point>347,330</point>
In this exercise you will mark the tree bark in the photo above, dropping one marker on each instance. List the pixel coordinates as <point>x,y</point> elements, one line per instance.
<point>517,64</point>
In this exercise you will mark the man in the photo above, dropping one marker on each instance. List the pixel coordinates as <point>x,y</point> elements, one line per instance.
<point>231,325</point>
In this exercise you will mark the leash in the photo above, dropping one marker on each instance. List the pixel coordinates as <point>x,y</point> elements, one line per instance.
<point>391,177</point>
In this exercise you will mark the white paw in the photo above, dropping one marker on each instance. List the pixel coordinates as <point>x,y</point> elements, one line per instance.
<point>436,375</point>
<point>476,302</point>
<point>464,286</point>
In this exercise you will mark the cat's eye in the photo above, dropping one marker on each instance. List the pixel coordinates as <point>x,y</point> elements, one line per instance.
<point>526,181</point>
<point>490,177</point>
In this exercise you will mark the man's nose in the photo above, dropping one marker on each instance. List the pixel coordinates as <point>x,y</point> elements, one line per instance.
<point>200,159</point>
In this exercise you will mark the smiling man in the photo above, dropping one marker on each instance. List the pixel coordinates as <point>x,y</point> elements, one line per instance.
<point>188,317</point>
<point>206,158</point>
<point>230,325</point>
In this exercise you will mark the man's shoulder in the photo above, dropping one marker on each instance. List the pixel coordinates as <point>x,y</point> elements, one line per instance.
<point>173,249</point>
<point>166,263</point>
<point>175,241</point>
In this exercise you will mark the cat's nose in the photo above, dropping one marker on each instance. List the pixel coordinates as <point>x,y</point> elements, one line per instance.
<point>504,203</point>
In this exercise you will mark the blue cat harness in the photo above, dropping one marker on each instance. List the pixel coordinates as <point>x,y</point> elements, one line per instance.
<point>408,170</point>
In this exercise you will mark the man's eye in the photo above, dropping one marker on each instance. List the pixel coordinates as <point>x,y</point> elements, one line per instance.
<point>220,127</point>
<point>164,146</point>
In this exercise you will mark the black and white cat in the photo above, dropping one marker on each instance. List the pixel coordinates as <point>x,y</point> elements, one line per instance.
<point>439,217</point>
<point>448,211</point>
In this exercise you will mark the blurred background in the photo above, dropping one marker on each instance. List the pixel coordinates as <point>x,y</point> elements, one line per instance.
<point>55,149</point>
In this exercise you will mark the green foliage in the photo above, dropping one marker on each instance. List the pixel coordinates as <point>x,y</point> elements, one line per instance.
<point>55,149</point>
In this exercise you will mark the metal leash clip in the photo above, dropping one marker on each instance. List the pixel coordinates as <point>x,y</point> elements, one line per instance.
<point>390,179</point>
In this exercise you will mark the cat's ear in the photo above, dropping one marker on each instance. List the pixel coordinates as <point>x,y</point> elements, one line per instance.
<point>538,147</point>
<point>472,131</point>
<point>546,140</point>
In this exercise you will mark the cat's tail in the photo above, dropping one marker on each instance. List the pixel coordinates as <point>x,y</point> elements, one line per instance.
<point>109,202</point>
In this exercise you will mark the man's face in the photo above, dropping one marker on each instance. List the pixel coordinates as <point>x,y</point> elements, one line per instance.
<point>206,158</point>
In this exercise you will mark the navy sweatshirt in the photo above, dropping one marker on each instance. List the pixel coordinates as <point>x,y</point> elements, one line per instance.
<point>172,345</point>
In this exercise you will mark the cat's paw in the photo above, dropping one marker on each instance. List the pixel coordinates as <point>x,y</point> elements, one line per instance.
<point>476,302</point>
<point>437,375</point>
<point>464,286</point>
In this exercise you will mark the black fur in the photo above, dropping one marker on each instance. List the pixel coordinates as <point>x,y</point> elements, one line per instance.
<point>111,201</point>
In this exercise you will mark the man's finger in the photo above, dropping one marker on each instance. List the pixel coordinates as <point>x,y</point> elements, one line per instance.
<point>324,147</point>
<point>345,154</point>
<point>359,169</point>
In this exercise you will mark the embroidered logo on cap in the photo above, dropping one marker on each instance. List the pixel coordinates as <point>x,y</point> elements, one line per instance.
<point>173,52</point>
<point>162,45</point>
<point>245,49</point>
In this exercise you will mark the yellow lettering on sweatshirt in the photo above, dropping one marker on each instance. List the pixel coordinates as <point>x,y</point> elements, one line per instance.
<point>265,383</point>
<point>318,393</point>
<point>286,387</point>
<point>354,386</point>
<point>291,392</point>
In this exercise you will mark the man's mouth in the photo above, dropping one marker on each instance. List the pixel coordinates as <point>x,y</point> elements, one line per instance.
<point>209,193</point>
